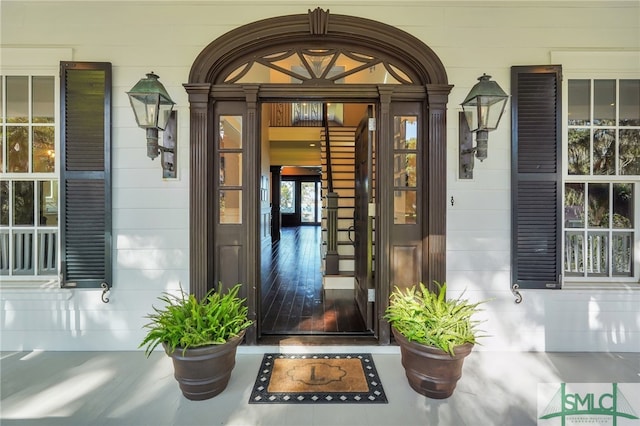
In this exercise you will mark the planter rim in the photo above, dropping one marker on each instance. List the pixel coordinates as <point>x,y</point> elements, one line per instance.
<point>235,340</point>
<point>459,350</point>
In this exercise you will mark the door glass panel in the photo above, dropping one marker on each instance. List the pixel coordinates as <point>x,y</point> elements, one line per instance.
<point>405,132</point>
<point>405,168</point>
<point>230,131</point>
<point>231,169</point>
<point>309,201</point>
<point>404,208</point>
<point>622,254</point>
<point>287,196</point>
<point>230,206</point>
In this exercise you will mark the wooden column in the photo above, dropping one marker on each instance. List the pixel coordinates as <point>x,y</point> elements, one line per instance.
<point>436,211</point>
<point>200,170</point>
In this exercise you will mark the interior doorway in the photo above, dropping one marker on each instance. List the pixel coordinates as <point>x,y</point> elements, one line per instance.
<point>312,151</point>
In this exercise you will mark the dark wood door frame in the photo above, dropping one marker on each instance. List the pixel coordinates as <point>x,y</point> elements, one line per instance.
<point>207,91</point>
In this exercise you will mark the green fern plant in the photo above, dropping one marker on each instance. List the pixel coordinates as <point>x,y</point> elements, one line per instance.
<point>430,319</point>
<point>185,322</point>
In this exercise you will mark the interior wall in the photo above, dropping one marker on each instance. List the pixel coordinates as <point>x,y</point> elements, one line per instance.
<point>150,215</point>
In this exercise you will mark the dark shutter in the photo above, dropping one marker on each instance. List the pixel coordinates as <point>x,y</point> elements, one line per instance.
<point>85,179</point>
<point>536,176</point>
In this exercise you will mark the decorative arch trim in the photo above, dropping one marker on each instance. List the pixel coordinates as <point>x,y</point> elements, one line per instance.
<point>317,29</point>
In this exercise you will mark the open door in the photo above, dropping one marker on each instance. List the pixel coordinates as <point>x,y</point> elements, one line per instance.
<point>364,212</point>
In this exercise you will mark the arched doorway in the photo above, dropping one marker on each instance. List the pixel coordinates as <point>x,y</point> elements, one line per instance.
<point>229,82</point>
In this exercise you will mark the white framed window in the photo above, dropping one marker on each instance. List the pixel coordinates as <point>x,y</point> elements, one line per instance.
<point>29,206</point>
<point>602,180</point>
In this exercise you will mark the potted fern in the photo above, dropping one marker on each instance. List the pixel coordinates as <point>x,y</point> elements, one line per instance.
<point>201,337</point>
<point>435,334</point>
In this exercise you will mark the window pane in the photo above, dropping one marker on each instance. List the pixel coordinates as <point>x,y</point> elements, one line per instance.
<point>287,197</point>
<point>230,132</point>
<point>622,249</point>
<point>574,205</point>
<point>308,202</point>
<point>4,203</point>
<point>604,152</point>
<point>44,154</point>
<point>629,152</point>
<point>579,102</point>
<point>18,149</point>
<point>43,100</point>
<point>604,102</point>
<point>23,193</point>
<point>578,152</point>
<point>404,170</point>
<point>404,207</point>
<point>623,205</point>
<point>231,169</point>
<point>574,254</point>
<point>17,99</point>
<point>597,254</point>
<point>48,202</point>
<point>231,206</point>
<point>1,102</point>
<point>405,132</point>
<point>599,205</point>
<point>629,103</point>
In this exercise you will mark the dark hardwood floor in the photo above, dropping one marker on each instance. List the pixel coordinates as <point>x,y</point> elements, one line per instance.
<point>293,301</point>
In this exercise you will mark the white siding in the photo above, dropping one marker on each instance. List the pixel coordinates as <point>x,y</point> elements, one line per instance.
<point>150,215</point>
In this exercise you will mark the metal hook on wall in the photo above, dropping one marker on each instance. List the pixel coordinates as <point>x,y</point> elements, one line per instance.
<point>516,293</point>
<point>105,291</point>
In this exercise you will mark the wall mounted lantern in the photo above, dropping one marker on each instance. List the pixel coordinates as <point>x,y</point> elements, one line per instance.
<point>482,109</point>
<point>153,109</point>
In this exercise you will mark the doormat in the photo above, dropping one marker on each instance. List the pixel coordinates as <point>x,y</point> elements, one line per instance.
<point>317,378</point>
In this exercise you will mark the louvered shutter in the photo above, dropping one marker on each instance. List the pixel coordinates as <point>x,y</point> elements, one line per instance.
<point>536,177</point>
<point>85,180</point>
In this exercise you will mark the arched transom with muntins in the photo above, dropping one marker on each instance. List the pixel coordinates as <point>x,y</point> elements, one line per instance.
<point>360,45</point>
<point>318,66</point>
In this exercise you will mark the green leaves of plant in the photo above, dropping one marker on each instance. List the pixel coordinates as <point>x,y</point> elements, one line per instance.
<point>430,319</point>
<point>185,322</point>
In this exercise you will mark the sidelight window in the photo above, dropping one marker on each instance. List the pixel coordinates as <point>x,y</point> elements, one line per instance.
<point>405,173</point>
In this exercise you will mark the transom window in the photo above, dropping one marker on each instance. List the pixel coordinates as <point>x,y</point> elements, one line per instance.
<point>28,177</point>
<point>602,181</point>
<point>310,66</point>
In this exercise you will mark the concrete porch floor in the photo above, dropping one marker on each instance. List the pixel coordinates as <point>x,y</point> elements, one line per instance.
<point>125,388</point>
